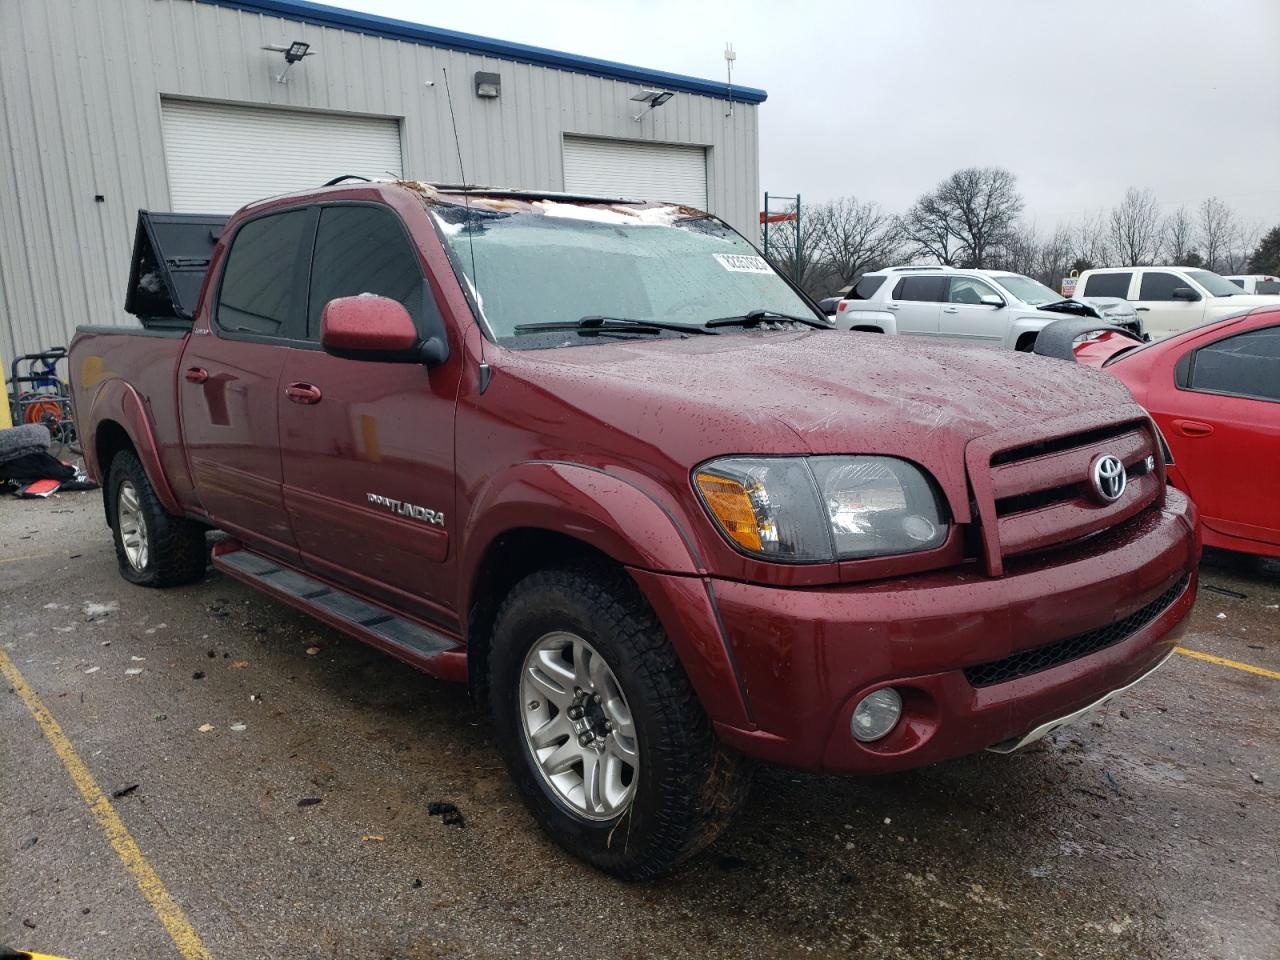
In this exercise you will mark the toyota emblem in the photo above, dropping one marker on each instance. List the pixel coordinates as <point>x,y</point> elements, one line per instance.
<point>1108,477</point>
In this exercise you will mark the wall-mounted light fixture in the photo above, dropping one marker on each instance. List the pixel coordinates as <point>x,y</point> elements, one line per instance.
<point>293,53</point>
<point>654,99</point>
<point>488,85</point>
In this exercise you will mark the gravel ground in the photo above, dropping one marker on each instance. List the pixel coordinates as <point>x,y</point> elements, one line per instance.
<point>1149,830</point>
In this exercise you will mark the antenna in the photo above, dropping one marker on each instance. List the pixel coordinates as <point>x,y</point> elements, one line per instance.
<point>466,203</point>
<point>729,57</point>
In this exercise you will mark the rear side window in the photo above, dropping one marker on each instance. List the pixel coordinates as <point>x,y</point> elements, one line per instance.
<point>363,249</point>
<point>1108,285</point>
<point>1159,286</point>
<point>259,291</point>
<point>866,288</point>
<point>1267,286</point>
<point>921,289</point>
<point>1246,365</point>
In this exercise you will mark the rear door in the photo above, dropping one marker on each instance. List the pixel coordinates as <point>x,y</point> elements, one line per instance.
<point>1162,314</point>
<point>229,376</point>
<point>1218,402</point>
<point>915,301</point>
<point>367,448</point>
<point>965,316</point>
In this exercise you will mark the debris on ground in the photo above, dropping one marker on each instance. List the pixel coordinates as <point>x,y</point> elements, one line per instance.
<point>375,837</point>
<point>133,671</point>
<point>312,651</point>
<point>93,670</point>
<point>28,844</point>
<point>94,610</point>
<point>198,675</point>
<point>124,791</point>
<point>239,727</point>
<point>447,812</point>
<point>239,664</point>
<point>205,727</point>
<point>309,801</point>
<point>1255,778</point>
<point>1210,588</point>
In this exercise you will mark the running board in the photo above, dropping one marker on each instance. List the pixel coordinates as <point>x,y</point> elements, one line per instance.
<point>416,644</point>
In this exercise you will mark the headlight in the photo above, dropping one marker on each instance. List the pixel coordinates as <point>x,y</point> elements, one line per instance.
<point>819,509</point>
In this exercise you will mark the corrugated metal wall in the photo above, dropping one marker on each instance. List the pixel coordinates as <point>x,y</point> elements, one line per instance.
<point>80,89</point>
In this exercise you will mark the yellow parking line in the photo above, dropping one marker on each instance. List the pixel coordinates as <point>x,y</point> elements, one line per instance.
<point>1224,662</point>
<point>175,921</point>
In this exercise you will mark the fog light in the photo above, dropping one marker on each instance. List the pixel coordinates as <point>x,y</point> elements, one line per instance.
<point>875,715</point>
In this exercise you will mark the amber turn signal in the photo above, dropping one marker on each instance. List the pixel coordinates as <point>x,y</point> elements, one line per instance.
<point>730,503</point>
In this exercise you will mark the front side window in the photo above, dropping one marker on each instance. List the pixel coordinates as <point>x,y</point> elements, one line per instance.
<point>1108,285</point>
<point>1246,365</point>
<point>363,249</point>
<point>968,290</point>
<point>259,291</point>
<point>1216,285</point>
<point>1159,286</point>
<point>1031,292</point>
<point>561,262</point>
<point>921,289</point>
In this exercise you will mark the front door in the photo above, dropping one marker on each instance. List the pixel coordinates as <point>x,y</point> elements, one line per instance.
<point>228,381</point>
<point>966,317</point>
<point>1219,407</point>
<point>1161,313</point>
<point>367,448</point>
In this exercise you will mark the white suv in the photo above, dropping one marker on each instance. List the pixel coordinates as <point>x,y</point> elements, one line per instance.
<point>987,307</point>
<point>1170,299</point>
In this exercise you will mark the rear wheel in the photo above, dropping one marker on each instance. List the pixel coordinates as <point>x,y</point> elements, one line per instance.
<point>601,731</point>
<point>153,548</point>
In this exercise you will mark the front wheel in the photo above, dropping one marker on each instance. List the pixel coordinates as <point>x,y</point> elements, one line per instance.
<point>153,548</point>
<point>601,731</point>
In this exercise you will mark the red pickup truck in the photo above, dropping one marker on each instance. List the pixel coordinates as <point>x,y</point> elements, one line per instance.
<point>597,459</point>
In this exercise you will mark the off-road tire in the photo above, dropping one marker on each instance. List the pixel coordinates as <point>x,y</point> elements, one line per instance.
<point>176,546</point>
<point>689,785</point>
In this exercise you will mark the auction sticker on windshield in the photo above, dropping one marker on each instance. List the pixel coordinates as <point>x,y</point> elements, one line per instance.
<point>740,263</point>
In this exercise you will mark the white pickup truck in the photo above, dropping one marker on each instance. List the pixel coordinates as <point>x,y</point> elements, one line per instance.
<point>1170,299</point>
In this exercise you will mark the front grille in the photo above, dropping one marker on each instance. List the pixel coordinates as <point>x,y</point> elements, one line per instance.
<point>1026,662</point>
<point>1042,492</point>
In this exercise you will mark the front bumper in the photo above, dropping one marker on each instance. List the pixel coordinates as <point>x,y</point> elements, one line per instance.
<point>805,657</point>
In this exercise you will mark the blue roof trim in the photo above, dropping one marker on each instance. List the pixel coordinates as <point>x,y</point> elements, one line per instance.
<point>368,23</point>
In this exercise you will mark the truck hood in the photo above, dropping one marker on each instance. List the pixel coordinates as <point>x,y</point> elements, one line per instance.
<point>810,392</point>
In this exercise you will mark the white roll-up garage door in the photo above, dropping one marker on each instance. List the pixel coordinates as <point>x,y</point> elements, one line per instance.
<point>221,156</point>
<point>642,171</point>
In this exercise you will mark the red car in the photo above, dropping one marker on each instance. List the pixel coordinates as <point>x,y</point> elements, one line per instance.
<point>1214,391</point>
<point>599,460</point>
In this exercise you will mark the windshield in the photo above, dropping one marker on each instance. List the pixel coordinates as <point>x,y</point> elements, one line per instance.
<point>574,261</point>
<point>1027,290</point>
<point>1216,285</point>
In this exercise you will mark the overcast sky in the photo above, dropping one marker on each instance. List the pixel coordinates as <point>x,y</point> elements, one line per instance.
<point>882,99</point>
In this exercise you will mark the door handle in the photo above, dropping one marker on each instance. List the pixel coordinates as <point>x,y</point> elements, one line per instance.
<point>950,310</point>
<point>1141,309</point>
<point>1193,428</point>
<point>891,306</point>
<point>302,393</point>
<point>195,374</point>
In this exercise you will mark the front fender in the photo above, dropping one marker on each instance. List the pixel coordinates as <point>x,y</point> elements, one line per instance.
<point>117,401</point>
<point>634,529</point>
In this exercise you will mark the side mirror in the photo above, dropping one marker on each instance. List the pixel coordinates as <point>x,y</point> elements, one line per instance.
<point>376,329</point>
<point>1184,293</point>
<point>991,300</point>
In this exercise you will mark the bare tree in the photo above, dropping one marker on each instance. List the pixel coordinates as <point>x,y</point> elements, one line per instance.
<point>1089,242</point>
<point>1134,228</point>
<point>1218,231</point>
<point>1020,252</point>
<point>856,236</point>
<point>1239,251</point>
<point>983,205</point>
<point>1055,258</point>
<point>1179,239</point>
<point>928,231</point>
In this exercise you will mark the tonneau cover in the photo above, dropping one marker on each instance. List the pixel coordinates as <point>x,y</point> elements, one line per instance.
<point>170,255</point>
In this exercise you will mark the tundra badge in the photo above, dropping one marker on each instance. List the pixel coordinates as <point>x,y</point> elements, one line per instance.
<point>408,509</point>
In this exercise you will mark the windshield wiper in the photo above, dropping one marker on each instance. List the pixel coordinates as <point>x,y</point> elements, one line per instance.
<point>753,318</point>
<point>593,322</point>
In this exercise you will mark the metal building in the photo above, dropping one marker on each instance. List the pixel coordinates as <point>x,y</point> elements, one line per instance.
<point>111,106</point>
